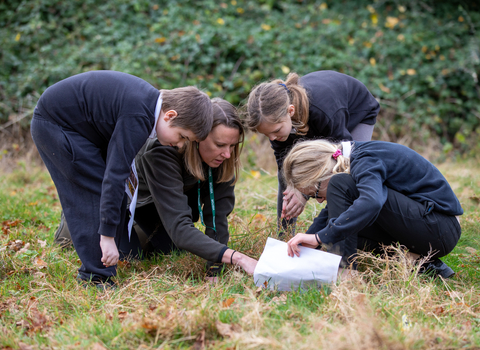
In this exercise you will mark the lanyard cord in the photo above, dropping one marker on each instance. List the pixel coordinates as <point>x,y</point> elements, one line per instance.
<point>212,201</point>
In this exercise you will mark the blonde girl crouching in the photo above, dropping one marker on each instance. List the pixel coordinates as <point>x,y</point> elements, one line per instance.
<point>378,193</point>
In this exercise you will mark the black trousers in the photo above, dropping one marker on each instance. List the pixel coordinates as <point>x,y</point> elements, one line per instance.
<point>158,240</point>
<point>77,167</point>
<point>402,220</point>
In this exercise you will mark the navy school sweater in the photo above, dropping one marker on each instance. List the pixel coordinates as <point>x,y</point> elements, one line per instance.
<point>337,104</point>
<point>115,112</point>
<point>376,166</point>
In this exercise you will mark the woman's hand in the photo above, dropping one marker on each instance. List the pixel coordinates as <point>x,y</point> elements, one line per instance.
<point>109,251</point>
<point>245,262</point>
<point>309,241</point>
<point>293,203</point>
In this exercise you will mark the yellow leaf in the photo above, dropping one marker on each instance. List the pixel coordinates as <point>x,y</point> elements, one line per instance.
<point>155,7</point>
<point>208,93</point>
<point>13,193</point>
<point>240,10</point>
<point>402,9</point>
<point>424,49</point>
<point>401,37</point>
<point>323,6</point>
<point>411,71</point>
<point>220,21</point>
<point>197,37</point>
<point>260,217</point>
<point>367,44</point>
<point>233,2</point>
<point>371,9</point>
<point>373,62</point>
<point>384,88</point>
<point>461,19</point>
<point>374,18</point>
<point>160,40</point>
<point>223,5</point>
<point>255,174</point>
<point>351,41</point>
<point>33,203</point>
<point>442,58</point>
<point>18,36</point>
<point>391,22</point>
<point>228,302</point>
<point>285,70</point>
<point>266,27</point>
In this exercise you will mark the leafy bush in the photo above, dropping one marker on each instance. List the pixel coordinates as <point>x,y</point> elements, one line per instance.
<point>420,59</point>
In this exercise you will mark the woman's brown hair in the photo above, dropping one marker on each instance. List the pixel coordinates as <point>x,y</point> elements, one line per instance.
<point>223,114</point>
<point>269,102</point>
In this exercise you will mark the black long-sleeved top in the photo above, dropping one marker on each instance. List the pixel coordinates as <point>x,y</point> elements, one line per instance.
<point>115,112</point>
<point>337,104</point>
<point>165,181</point>
<point>376,166</point>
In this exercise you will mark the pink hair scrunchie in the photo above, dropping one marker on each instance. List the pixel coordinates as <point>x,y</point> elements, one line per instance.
<point>336,154</point>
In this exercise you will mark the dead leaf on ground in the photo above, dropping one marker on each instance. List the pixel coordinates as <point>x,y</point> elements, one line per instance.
<point>228,302</point>
<point>200,341</point>
<point>122,315</point>
<point>471,250</point>
<point>25,248</point>
<point>23,346</point>
<point>43,244</point>
<point>16,245</point>
<point>37,262</point>
<point>227,330</point>
<point>98,346</point>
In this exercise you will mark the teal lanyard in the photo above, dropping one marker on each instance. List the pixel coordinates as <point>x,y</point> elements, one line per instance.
<point>212,201</point>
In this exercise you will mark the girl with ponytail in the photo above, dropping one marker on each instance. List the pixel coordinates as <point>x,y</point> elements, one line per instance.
<point>378,193</point>
<point>319,104</point>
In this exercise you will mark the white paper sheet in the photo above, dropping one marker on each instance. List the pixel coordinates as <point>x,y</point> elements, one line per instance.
<point>281,272</point>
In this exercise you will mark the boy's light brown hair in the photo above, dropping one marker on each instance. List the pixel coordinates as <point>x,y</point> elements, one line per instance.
<point>223,114</point>
<point>194,109</point>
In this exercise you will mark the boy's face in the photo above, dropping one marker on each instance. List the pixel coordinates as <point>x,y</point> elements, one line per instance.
<point>172,135</point>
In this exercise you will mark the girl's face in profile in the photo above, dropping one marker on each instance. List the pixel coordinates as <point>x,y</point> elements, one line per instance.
<point>219,145</point>
<point>278,131</point>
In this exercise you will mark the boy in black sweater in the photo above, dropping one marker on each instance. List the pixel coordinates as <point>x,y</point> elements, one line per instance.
<point>88,129</point>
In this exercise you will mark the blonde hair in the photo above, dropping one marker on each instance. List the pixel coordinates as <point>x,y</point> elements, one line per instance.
<point>223,114</point>
<point>311,162</point>
<point>269,102</point>
<point>194,109</point>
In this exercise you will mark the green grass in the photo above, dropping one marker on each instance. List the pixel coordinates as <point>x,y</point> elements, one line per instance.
<point>165,303</point>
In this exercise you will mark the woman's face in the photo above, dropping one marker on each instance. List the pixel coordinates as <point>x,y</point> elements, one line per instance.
<point>218,145</point>
<point>278,131</point>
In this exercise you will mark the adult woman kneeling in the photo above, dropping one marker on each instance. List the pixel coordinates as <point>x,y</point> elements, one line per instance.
<point>198,182</point>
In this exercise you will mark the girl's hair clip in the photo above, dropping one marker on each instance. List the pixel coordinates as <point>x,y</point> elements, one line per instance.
<point>285,86</point>
<point>336,154</point>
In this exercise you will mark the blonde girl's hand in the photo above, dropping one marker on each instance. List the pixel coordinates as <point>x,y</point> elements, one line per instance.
<point>309,241</point>
<point>293,203</point>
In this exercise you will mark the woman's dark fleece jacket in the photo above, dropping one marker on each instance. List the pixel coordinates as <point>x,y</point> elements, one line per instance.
<point>165,181</point>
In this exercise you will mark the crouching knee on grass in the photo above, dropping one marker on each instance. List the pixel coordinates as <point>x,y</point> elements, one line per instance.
<point>377,193</point>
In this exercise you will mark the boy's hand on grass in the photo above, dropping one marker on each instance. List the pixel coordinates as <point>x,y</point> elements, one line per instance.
<point>293,203</point>
<point>309,241</point>
<point>109,251</point>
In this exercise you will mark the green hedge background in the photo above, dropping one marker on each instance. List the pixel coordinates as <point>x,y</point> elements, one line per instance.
<point>421,59</point>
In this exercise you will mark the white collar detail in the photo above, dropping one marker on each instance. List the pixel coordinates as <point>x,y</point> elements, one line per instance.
<point>347,149</point>
<point>158,109</point>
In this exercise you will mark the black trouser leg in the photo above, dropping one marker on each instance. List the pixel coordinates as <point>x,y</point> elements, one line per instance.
<point>77,167</point>
<point>402,220</point>
<point>158,240</point>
